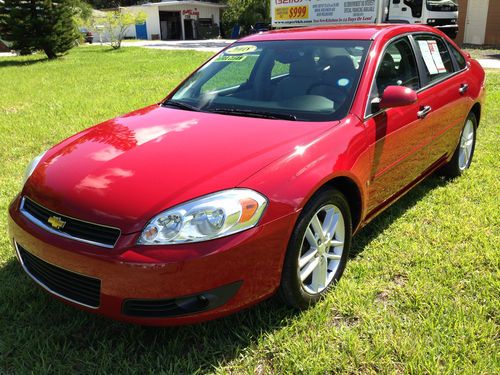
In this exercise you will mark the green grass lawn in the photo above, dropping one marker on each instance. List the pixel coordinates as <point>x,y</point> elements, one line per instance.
<point>420,293</point>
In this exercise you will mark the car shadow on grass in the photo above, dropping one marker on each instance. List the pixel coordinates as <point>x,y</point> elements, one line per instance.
<point>37,331</point>
<point>386,218</point>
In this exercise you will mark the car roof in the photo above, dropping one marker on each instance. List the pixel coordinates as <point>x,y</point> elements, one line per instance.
<point>340,32</point>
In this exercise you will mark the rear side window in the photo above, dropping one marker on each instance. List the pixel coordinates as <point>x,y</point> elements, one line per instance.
<point>460,59</point>
<point>437,59</point>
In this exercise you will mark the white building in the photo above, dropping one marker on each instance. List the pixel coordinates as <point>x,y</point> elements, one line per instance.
<point>177,20</point>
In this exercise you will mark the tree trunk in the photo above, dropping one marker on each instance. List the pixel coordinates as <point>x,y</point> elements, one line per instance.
<point>50,54</point>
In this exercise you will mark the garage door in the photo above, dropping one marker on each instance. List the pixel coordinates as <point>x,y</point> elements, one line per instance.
<point>475,21</point>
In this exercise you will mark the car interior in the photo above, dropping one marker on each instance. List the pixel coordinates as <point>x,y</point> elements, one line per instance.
<point>312,81</point>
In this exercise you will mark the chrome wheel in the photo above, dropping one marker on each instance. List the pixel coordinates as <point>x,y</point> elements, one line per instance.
<point>466,145</point>
<point>321,249</point>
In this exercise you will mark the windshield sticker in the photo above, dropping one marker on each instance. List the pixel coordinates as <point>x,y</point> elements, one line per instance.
<point>238,50</point>
<point>343,82</point>
<point>224,58</point>
<point>431,56</point>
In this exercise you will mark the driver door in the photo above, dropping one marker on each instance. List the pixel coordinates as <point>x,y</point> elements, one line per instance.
<point>397,136</point>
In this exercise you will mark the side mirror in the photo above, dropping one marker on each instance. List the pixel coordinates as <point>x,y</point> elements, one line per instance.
<point>397,96</point>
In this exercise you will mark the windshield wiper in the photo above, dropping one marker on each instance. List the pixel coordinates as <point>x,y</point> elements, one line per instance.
<point>252,113</point>
<point>181,105</point>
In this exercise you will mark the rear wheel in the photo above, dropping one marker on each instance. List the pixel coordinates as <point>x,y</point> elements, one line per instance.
<point>462,157</point>
<point>318,249</point>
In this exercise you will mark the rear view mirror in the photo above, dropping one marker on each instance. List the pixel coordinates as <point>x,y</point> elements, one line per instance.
<point>397,96</point>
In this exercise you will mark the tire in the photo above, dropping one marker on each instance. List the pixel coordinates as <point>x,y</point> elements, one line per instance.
<point>462,157</point>
<point>299,289</point>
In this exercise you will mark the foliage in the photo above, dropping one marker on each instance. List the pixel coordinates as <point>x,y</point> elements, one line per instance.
<point>83,11</point>
<point>420,294</point>
<point>111,4</point>
<point>246,13</point>
<point>116,23</point>
<point>33,25</point>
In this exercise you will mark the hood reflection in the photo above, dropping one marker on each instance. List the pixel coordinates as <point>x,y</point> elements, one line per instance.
<point>103,181</point>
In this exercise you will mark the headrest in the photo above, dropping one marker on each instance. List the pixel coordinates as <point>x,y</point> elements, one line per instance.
<point>343,64</point>
<point>305,67</point>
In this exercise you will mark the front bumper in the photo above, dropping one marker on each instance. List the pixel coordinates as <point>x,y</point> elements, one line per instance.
<point>246,267</point>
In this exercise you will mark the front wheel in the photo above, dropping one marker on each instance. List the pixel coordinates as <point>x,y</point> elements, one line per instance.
<point>318,249</point>
<point>462,157</point>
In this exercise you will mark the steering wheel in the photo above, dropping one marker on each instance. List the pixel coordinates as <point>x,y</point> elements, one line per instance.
<point>334,93</point>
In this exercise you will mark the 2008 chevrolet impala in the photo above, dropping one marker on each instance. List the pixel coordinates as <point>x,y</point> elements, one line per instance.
<point>251,177</point>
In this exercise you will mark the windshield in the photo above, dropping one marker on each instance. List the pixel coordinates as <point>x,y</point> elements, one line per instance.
<point>442,5</point>
<point>309,80</point>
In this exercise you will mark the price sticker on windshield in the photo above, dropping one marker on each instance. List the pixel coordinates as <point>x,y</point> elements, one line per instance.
<point>223,58</point>
<point>292,13</point>
<point>239,50</point>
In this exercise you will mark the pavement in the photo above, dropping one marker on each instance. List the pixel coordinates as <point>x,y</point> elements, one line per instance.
<point>209,45</point>
<point>490,63</point>
<point>215,45</point>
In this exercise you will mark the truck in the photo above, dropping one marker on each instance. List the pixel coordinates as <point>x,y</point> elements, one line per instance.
<point>442,14</point>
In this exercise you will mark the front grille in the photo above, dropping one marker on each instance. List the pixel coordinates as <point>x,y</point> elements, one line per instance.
<point>72,286</point>
<point>73,228</point>
<point>443,22</point>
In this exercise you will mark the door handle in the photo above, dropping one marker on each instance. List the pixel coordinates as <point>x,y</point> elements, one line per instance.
<point>424,111</point>
<point>463,88</point>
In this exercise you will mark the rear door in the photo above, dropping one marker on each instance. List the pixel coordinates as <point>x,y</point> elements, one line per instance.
<point>444,93</point>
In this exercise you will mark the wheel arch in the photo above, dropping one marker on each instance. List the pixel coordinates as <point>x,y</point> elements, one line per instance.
<point>476,109</point>
<point>351,191</point>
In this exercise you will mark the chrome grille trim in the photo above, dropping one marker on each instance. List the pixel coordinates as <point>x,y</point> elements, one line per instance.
<point>49,229</point>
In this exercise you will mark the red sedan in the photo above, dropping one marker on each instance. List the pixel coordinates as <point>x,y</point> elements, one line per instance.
<point>251,177</point>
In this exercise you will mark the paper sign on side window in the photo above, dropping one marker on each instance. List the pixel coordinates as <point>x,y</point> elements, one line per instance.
<point>436,56</point>
<point>431,56</point>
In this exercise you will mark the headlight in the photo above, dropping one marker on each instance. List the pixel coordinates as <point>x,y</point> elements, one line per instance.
<point>31,167</point>
<point>213,216</point>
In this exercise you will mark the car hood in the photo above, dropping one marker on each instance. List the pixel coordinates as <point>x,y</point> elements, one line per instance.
<point>126,170</point>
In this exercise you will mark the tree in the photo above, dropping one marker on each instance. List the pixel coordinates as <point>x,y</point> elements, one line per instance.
<point>33,25</point>
<point>246,13</point>
<point>116,23</point>
<point>111,4</point>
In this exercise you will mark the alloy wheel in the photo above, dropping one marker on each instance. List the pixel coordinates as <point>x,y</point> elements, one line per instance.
<point>321,250</point>
<point>466,144</point>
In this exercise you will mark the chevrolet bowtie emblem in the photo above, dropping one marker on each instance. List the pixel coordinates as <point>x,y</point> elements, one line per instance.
<point>56,222</point>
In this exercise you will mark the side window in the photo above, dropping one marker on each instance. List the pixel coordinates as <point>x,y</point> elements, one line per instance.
<point>460,59</point>
<point>437,59</point>
<point>397,67</point>
<point>415,6</point>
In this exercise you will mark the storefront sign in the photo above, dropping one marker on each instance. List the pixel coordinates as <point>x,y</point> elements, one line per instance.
<point>316,12</point>
<point>188,13</point>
